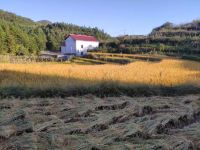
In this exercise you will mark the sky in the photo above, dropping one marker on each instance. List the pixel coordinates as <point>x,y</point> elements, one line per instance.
<point>116,17</point>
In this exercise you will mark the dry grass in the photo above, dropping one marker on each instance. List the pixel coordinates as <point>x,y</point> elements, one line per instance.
<point>89,122</point>
<point>166,73</point>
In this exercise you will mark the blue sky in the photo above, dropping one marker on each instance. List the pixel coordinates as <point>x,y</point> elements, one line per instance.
<point>114,16</point>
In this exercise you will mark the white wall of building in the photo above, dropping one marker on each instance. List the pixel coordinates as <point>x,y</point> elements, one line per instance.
<point>70,46</point>
<point>83,46</point>
<point>78,47</point>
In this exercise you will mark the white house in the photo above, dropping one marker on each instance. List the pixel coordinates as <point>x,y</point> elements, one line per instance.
<point>79,44</point>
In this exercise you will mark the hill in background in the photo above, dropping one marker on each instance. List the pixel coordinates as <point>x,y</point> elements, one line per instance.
<point>19,35</point>
<point>44,22</point>
<point>167,39</point>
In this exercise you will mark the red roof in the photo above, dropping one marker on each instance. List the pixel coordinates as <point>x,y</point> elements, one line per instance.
<point>80,37</point>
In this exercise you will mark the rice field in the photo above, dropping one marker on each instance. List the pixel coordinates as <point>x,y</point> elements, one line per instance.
<point>93,123</point>
<point>166,73</point>
<point>58,106</point>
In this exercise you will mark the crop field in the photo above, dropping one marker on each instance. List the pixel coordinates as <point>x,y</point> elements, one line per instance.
<point>136,77</point>
<point>94,105</point>
<point>92,123</point>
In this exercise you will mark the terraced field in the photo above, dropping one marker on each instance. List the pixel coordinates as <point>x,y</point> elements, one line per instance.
<point>95,123</point>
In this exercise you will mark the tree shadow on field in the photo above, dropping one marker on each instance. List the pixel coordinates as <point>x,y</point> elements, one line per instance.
<point>191,65</point>
<point>25,85</point>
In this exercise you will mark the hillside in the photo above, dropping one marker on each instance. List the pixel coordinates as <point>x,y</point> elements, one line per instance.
<point>169,29</point>
<point>44,22</point>
<point>19,35</point>
<point>168,38</point>
<point>11,17</point>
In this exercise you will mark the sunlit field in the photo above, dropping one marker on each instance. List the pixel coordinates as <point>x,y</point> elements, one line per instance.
<point>167,73</point>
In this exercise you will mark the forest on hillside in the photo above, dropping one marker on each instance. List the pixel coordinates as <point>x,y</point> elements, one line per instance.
<point>168,38</point>
<point>22,36</point>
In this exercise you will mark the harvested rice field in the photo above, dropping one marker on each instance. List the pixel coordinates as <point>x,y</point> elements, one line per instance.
<point>92,123</point>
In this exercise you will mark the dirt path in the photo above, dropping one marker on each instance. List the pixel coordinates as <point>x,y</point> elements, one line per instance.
<point>93,123</point>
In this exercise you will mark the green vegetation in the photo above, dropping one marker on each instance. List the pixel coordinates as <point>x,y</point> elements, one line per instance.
<point>166,39</point>
<point>191,57</point>
<point>116,60</point>
<point>86,61</point>
<point>22,36</point>
<point>125,58</point>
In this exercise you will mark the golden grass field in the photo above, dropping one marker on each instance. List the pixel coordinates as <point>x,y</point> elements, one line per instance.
<point>71,106</point>
<point>167,73</point>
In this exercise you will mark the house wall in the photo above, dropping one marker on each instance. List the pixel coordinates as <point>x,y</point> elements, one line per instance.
<point>83,46</point>
<point>78,47</point>
<point>70,47</point>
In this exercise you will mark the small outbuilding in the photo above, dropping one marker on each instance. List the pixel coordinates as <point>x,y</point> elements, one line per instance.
<point>78,44</point>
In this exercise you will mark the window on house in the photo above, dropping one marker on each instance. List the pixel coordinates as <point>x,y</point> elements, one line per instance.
<point>81,46</point>
<point>90,47</point>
